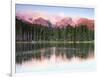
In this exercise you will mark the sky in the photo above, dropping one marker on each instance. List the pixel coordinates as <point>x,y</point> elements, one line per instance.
<point>63,11</point>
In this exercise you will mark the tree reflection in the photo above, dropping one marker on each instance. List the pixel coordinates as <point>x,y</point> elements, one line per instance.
<point>28,51</point>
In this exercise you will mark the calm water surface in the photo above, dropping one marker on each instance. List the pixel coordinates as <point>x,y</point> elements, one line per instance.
<point>54,57</point>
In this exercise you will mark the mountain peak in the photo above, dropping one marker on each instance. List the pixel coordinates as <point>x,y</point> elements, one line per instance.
<point>65,22</point>
<point>41,21</point>
<point>86,21</point>
<point>56,21</point>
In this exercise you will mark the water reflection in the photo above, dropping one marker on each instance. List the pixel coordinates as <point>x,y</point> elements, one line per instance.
<point>28,51</point>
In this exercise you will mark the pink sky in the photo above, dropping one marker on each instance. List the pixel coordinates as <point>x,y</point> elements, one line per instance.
<point>51,17</point>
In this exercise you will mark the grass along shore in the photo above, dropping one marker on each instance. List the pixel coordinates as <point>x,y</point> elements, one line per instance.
<point>55,42</point>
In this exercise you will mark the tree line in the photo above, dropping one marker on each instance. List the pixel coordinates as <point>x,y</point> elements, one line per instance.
<point>36,32</point>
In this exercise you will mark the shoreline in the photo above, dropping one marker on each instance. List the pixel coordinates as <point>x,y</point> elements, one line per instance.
<point>69,42</point>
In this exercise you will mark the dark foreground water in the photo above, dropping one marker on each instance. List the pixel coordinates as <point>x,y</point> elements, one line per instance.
<point>54,57</point>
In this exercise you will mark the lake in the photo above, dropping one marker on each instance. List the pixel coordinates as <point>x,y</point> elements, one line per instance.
<point>43,57</point>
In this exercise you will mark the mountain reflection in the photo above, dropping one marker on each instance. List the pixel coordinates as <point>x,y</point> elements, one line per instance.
<point>28,51</point>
